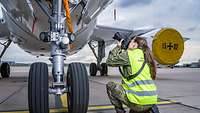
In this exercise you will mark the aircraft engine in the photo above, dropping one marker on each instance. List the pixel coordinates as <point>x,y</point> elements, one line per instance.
<point>168,46</point>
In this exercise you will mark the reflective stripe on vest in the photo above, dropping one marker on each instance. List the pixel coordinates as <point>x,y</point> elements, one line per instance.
<point>142,82</point>
<point>141,93</point>
<point>141,89</point>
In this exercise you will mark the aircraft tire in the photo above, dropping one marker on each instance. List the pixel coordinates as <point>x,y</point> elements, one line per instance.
<point>38,95</point>
<point>93,69</point>
<point>5,70</point>
<point>78,87</point>
<point>104,69</point>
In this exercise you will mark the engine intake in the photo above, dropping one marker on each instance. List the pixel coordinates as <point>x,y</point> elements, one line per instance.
<point>168,46</point>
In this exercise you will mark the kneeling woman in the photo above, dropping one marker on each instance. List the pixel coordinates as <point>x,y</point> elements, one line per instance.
<point>138,70</point>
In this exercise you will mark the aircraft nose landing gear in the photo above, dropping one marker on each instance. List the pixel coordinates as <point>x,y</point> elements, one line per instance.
<point>77,83</point>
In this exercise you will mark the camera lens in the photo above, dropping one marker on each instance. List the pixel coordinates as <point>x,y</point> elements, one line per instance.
<point>117,36</point>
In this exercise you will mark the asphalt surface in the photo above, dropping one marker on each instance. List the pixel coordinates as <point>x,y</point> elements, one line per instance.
<point>178,91</point>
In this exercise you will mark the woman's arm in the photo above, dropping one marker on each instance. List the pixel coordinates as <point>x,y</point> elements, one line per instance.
<point>118,57</point>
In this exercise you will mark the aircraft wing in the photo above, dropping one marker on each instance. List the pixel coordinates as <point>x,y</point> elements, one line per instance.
<point>106,33</point>
<point>186,39</point>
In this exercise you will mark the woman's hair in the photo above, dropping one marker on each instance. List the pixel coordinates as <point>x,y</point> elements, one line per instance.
<point>142,44</point>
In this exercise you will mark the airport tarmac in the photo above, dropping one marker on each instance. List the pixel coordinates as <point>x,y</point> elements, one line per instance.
<point>178,91</point>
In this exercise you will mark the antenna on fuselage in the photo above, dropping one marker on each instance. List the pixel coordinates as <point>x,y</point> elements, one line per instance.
<point>115,11</point>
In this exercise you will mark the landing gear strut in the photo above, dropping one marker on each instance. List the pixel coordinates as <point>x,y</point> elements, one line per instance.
<point>5,67</point>
<point>76,85</point>
<point>102,67</point>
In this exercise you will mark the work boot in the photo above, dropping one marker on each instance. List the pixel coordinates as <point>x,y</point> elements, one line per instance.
<point>154,109</point>
<point>131,111</point>
<point>120,110</point>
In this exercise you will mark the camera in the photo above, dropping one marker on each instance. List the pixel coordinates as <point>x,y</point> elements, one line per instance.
<point>125,42</point>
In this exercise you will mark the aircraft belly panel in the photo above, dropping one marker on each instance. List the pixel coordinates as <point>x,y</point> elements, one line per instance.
<point>4,31</point>
<point>83,36</point>
<point>27,38</point>
<point>22,36</point>
<point>41,22</point>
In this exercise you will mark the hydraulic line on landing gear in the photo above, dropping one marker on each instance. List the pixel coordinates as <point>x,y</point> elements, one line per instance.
<point>69,23</point>
<point>68,17</point>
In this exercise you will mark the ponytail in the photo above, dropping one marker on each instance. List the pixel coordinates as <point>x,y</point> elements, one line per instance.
<point>150,60</point>
<point>142,44</point>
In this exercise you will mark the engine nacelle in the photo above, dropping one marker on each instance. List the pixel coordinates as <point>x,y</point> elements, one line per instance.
<point>168,46</point>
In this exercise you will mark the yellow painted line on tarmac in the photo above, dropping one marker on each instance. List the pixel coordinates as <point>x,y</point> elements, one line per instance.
<point>64,100</point>
<point>60,110</point>
<point>16,112</point>
<point>166,102</point>
<point>101,107</point>
<point>104,107</point>
<point>90,108</point>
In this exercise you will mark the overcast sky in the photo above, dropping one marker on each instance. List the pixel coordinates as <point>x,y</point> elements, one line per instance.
<point>182,15</point>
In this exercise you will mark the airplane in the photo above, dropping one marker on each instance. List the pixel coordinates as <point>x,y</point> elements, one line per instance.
<point>60,28</point>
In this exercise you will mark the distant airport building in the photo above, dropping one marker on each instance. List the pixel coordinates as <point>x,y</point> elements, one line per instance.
<point>199,63</point>
<point>195,64</point>
<point>9,62</point>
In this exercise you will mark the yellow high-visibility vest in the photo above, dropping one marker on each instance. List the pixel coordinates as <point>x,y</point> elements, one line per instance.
<point>141,89</point>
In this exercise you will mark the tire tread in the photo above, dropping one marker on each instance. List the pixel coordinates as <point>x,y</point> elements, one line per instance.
<point>80,88</point>
<point>38,88</point>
